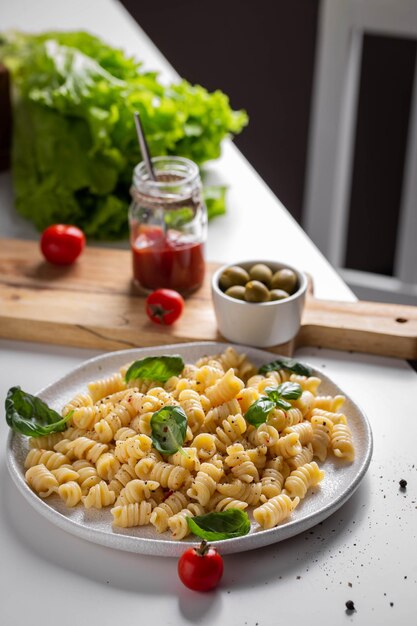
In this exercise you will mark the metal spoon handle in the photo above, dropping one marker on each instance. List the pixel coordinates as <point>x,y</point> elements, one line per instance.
<point>144,146</point>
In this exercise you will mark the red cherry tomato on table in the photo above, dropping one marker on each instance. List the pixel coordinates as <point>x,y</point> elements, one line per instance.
<point>200,568</point>
<point>164,306</point>
<point>61,244</point>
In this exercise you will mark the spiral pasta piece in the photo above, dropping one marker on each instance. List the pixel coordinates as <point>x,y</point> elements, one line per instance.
<point>264,435</point>
<point>172,505</point>
<point>70,492</point>
<point>225,389</point>
<point>41,480</point>
<point>207,376</point>
<point>137,490</point>
<point>219,413</point>
<point>82,399</point>
<point>84,448</point>
<point>100,388</point>
<point>136,447</point>
<point>188,458</point>
<point>342,442</point>
<point>65,474</point>
<point>137,514</point>
<point>246,492</point>
<point>49,458</point>
<point>99,496</point>
<point>305,456</point>
<point>124,475</point>
<point>167,475</point>
<point>86,416</point>
<point>328,403</point>
<point>258,456</point>
<point>107,466</point>
<point>87,475</point>
<point>205,482</point>
<point>304,431</point>
<point>241,465</point>
<point>205,444</point>
<point>322,431</point>
<point>191,404</point>
<point>232,429</point>
<point>273,478</point>
<point>219,502</point>
<point>286,446</point>
<point>301,479</point>
<point>246,397</point>
<point>178,524</point>
<point>275,511</point>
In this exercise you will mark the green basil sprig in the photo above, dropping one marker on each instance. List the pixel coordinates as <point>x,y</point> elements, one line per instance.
<point>259,410</point>
<point>169,426</point>
<point>29,415</point>
<point>159,368</point>
<point>223,525</point>
<point>282,393</point>
<point>287,364</point>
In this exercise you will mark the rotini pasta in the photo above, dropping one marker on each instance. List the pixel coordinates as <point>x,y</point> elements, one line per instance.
<point>106,458</point>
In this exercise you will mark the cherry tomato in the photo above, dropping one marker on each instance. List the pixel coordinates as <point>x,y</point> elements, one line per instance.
<point>200,568</point>
<point>61,244</point>
<point>164,306</point>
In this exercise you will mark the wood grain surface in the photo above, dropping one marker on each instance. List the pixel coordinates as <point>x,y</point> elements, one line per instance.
<point>93,304</point>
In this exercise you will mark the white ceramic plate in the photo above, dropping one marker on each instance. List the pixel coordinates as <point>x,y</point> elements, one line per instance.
<point>340,482</point>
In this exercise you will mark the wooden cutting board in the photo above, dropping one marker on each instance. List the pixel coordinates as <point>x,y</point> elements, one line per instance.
<point>92,304</point>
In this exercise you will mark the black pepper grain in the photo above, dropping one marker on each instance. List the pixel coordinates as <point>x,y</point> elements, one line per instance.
<point>350,606</point>
<point>403,483</point>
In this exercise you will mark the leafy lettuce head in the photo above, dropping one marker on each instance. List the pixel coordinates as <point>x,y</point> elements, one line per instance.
<point>74,140</point>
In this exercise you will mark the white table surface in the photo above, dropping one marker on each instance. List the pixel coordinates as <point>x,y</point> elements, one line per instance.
<point>47,575</point>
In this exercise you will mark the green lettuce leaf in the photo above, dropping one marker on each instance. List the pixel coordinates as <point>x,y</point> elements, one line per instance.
<point>74,141</point>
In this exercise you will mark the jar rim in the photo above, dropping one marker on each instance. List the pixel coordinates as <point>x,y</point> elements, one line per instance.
<point>189,168</point>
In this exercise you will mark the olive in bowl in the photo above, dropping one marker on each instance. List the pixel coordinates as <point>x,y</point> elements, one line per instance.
<point>259,312</point>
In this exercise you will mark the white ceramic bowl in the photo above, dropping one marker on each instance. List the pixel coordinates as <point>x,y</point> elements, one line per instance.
<point>259,324</point>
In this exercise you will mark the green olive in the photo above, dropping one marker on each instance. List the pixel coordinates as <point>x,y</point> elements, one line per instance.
<point>234,275</point>
<point>256,291</point>
<point>261,272</point>
<point>236,291</point>
<point>278,294</point>
<point>284,279</point>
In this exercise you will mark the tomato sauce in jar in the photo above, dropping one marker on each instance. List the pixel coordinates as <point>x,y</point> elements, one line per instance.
<point>168,226</point>
<point>163,261</point>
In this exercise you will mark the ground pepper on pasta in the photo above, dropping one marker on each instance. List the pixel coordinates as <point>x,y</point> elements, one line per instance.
<point>105,457</point>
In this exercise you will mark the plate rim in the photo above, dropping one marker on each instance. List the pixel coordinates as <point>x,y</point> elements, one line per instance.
<point>169,547</point>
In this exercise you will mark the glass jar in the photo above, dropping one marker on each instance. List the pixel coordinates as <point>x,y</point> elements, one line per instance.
<point>168,226</point>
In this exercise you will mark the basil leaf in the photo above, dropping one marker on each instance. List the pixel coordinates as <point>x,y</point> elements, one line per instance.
<point>272,393</point>
<point>29,415</point>
<point>287,364</point>
<point>169,426</point>
<point>283,404</point>
<point>290,391</point>
<point>159,368</point>
<point>259,410</point>
<point>223,525</point>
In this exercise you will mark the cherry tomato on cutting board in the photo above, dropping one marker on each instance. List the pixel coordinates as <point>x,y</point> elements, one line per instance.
<point>200,568</point>
<point>61,244</point>
<point>164,306</point>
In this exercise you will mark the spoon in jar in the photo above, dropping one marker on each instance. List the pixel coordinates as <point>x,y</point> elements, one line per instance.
<point>144,146</point>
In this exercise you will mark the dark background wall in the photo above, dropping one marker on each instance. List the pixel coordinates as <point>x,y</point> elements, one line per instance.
<point>262,55</point>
